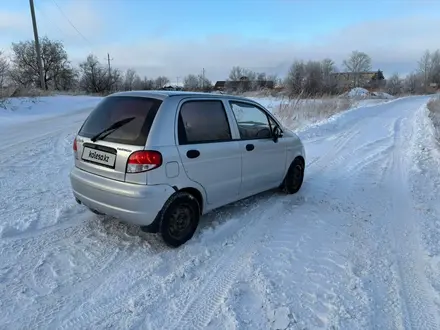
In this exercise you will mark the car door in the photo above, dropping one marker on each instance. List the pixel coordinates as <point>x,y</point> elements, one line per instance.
<point>208,152</point>
<point>263,158</point>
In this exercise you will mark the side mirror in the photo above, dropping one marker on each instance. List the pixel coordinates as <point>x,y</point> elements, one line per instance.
<point>277,133</point>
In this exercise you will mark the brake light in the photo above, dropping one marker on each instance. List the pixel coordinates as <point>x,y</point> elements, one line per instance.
<point>75,148</point>
<point>144,160</point>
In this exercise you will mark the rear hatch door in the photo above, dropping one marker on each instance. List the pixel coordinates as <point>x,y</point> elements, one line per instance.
<point>117,127</point>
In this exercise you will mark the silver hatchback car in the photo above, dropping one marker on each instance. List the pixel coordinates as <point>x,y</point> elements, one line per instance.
<point>161,159</point>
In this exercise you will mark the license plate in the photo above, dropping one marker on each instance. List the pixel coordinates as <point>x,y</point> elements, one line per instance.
<point>98,156</point>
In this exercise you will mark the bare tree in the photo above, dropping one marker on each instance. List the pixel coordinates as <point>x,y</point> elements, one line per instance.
<point>191,82</point>
<point>194,83</point>
<point>160,82</point>
<point>130,76</point>
<point>148,84</point>
<point>425,67</point>
<point>329,84</point>
<point>137,83</point>
<point>413,83</point>
<point>429,68</point>
<point>96,78</point>
<point>435,67</point>
<point>357,62</point>
<point>4,72</point>
<point>4,69</point>
<point>313,78</point>
<point>56,66</point>
<point>236,73</point>
<point>295,78</point>
<point>394,85</point>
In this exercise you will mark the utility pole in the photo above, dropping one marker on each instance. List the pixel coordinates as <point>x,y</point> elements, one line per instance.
<point>109,72</point>
<point>203,78</point>
<point>37,45</point>
<point>109,66</point>
<point>177,81</point>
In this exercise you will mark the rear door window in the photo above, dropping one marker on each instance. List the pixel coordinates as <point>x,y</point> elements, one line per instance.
<point>203,121</point>
<point>113,109</point>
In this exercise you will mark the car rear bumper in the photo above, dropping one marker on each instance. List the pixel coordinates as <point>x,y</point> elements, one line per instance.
<point>133,203</point>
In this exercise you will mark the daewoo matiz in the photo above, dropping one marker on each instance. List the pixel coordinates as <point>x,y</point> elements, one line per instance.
<point>161,159</point>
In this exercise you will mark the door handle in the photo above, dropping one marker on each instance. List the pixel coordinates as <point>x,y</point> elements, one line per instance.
<point>250,147</point>
<point>192,153</point>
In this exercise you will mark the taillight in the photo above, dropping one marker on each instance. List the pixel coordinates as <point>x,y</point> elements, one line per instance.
<point>75,148</point>
<point>144,160</point>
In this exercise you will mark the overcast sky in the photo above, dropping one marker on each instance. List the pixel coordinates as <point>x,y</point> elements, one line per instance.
<point>178,37</point>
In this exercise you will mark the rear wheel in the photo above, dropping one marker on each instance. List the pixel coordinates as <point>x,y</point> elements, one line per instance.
<point>294,177</point>
<point>179,219</point>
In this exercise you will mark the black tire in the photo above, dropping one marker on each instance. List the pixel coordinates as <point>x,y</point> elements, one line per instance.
<point>179,219</point>
<point>294,178</point>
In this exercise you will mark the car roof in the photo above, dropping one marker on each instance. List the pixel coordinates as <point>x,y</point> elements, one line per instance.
<point>160,94</point>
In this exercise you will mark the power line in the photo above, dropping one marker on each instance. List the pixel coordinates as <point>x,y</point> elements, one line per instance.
<point>73,25</point>
<point>47,18</point>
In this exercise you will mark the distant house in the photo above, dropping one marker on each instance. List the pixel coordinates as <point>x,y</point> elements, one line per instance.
<point>365,79</point>
<point>243,84</point>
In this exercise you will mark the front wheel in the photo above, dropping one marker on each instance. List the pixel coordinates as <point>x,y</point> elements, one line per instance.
<point>179,219</point>
<point>294,177</point>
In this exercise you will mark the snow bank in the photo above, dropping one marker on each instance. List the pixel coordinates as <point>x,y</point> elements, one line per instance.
<point>434,115</point>
<point>25,109</point>
<point>362,93</point>
<point>358,92</point>
<point>424,156</point>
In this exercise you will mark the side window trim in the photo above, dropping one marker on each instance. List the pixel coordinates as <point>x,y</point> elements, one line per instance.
<point>179,122</point>
<point>265,112</point>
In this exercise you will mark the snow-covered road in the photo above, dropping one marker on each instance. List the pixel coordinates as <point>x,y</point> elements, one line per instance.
<point>357,248</point>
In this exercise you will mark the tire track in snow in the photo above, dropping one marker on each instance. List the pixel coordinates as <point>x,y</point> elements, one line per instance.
<point>145,271</point>
<point>15,141</point>
<point>198,313</point>
<point>332,154</point>
<point>418,304</point>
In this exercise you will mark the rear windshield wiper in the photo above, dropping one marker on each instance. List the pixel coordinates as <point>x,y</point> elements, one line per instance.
<point>113,127</point>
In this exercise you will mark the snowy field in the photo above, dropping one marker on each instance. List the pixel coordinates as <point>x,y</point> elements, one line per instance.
<point>356,248</point>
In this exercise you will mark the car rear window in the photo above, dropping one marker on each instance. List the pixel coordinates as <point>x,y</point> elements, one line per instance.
<point>115,108</point>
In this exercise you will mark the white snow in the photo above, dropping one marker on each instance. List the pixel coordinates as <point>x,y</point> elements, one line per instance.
<point>362,93</point>
<point>26,109</point>
<point>356,248</point>
<point>358,91</point>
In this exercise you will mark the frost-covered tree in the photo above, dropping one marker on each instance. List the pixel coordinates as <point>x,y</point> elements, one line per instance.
<point>57,70</point>
<point>357,62</point>
<point>394,85</point>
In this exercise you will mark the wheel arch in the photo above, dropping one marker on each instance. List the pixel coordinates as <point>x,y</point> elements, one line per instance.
<point>196,194</point>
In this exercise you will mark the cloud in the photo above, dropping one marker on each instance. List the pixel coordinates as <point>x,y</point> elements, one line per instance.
<point>394,45</point>
<point>12,21</point>
<point>60,20</point>
<point>17,25</point>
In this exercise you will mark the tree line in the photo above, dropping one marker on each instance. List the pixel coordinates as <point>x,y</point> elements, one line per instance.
<point>303,77</point>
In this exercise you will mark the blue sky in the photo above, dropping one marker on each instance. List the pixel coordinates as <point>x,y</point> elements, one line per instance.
<point>177,37</point>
